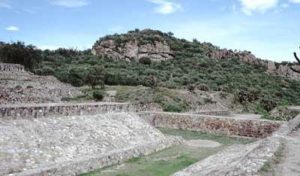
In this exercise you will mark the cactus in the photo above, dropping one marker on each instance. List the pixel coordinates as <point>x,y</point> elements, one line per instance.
<point>298,60</point>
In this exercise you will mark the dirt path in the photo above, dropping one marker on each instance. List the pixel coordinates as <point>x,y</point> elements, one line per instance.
<point>290,164</point>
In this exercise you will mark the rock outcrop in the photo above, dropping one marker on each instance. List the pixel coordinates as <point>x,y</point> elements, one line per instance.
<point>247,57</point>
<point>134,46</point>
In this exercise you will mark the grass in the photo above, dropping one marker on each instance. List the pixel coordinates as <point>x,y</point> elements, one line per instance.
<point>86,96</point>
<point>190,135</point>
<point>170,100</point>
<point>171,160</point>
<point>161,163</point>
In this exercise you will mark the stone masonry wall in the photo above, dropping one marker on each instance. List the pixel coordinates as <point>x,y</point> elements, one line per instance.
<point>212,124</point>
<point>11,67</point>
<point>60,109</point>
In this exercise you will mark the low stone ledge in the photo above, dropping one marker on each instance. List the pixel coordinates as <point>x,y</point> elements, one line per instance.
<point>214,113</point>
<point>212,124</point>
<point>60,109</point>
<point>88,164</point>
<point>11,67</point>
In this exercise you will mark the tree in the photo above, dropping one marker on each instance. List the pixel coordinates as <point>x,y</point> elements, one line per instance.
<point>77,76</point>
<point>298,60</point>
<point>170,34</point>
<point>19,53</point>
<point>96,76</point>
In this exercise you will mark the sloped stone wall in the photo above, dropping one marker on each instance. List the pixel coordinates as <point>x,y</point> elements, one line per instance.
<point>60,109</point>
<point>212,124</point>
<point>246,160</point>
<point>73,145</point>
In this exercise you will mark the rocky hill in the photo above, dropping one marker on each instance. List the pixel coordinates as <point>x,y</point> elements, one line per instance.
<point>134,46</point>
<point>159,46</point>
<point>159,62</point>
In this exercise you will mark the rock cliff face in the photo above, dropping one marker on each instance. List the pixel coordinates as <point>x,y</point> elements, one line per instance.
<point>143,44</point>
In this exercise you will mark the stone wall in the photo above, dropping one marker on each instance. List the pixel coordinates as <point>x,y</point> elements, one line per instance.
<point>212,124</point>
<point>60,109</point>
<point>11,67</point>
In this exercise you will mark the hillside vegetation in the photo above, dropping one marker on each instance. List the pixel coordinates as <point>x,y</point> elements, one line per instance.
<point>191,68</point>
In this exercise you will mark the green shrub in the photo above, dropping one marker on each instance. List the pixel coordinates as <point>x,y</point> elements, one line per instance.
<point>145,60</point>
<point>203,87</point>
<point>77,76</point>
<point>173,107</point>
<point>268,103</point>
<point>191,88</point>
<point>46,70</point>
<point>98,95</point>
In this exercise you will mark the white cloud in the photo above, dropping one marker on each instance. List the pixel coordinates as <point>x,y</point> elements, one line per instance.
<point>295,1</point>
<point>5,4</point>
<point>12,28</point>
<point>250,6</point>
<point>70,3</point>
<point>285,5</point>
<point>166,7</point>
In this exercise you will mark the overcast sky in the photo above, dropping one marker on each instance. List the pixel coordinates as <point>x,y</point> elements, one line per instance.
<point>268,28</point>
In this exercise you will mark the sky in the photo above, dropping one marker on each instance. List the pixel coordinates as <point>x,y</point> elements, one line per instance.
<point>270,29</point>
